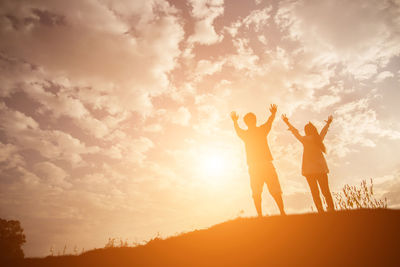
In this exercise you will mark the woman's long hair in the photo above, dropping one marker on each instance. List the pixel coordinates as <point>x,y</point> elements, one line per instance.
<point>310,130</point>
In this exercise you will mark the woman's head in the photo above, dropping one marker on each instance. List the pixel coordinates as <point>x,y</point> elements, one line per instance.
<point>311,130</point>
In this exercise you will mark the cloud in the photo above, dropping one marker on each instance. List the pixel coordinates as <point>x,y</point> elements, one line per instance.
<point>206,67</point>
<point>181,116</point>
<point>9,157</point>
<point>258,18</point>
<point>360,34</point>
<point>383,76</point>
<point>245,59</point>
<point>153,128</point>
<point>115,58</point>
<point>25,133</point>
<point>359,125</point>
<point>366,71</point>
<point>325,101</point>
<point>51,174</point>
<point>391,189</point>
<point>132,150</point>
<point>205,12</point>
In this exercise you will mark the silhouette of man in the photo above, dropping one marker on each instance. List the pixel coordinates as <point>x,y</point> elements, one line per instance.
<point>259,158</point>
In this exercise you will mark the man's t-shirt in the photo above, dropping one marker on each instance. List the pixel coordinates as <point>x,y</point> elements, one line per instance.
<point>257,150</point>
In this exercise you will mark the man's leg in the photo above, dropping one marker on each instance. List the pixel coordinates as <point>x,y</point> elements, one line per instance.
<point>312,182</point>
<point>274,186</point>
<point>324,185</point>
<point>256,188</point>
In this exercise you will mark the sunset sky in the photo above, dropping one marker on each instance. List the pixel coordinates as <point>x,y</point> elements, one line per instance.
<point>114,115</point>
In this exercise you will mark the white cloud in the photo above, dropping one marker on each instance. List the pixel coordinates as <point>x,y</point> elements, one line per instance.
<point>359,126</point>
<point>389,188</point>
<point>245,59</point>
<point>206,67</point>
<point>26,133</point>
<point>9,157</point>
<point>132,150</point>
<point>383,76</point>
<point>262,39</point>
<point>153,128</point>
<point>364,72</point>
<point>353,32</point>
<point>325,102</point>
<point>258,18</point>
<point>51,174</point>
<point>181,116</point>
<point>205,12</point>
<point>113,59</point>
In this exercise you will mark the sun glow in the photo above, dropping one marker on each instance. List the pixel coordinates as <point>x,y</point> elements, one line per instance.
<point>213,166</point>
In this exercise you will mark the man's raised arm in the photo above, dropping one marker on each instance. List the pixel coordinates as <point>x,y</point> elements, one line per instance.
<point>268,124</point>
<point>239,131</point>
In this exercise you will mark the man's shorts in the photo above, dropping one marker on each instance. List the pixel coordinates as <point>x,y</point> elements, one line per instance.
<point>264,173</point>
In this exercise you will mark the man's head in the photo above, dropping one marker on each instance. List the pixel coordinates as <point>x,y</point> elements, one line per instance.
<point>250,120</point>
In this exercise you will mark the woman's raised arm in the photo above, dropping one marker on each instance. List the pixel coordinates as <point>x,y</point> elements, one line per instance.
<point>326,127</point>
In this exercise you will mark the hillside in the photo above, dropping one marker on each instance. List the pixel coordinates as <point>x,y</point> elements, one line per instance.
<point>344,238</point>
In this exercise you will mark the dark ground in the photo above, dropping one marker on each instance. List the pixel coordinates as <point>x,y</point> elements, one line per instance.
<point>344,238</point>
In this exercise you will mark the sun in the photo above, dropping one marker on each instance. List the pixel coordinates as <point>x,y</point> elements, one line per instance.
<point>213,165</point>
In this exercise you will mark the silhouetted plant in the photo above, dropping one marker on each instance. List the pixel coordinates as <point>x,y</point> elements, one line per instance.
<point>353,197</point>
<point>116,242</point>
<point>11,239</point>
<point>156,238</point>
<point>240,214</point>
<point>64,251</point>
<point>110,243</point>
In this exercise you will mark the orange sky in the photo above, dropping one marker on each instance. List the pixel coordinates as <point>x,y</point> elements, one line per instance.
<point>114,115</point>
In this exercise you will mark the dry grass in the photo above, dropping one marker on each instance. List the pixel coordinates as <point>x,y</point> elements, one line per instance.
<point>359,197</point>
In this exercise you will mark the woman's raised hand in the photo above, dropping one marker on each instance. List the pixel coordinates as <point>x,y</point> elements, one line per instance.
<point>329,120</point>
<point>285,118</point>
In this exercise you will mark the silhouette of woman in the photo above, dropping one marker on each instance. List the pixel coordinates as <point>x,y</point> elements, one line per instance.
<point>314,166</point>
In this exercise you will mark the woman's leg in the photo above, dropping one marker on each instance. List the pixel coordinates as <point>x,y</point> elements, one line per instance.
<point>279,202</point>
<point>324,185</point>
<point>312,182</point>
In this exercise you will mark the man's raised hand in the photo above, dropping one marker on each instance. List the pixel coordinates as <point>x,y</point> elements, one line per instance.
<point>234,116</point>
<point>273,108</point>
